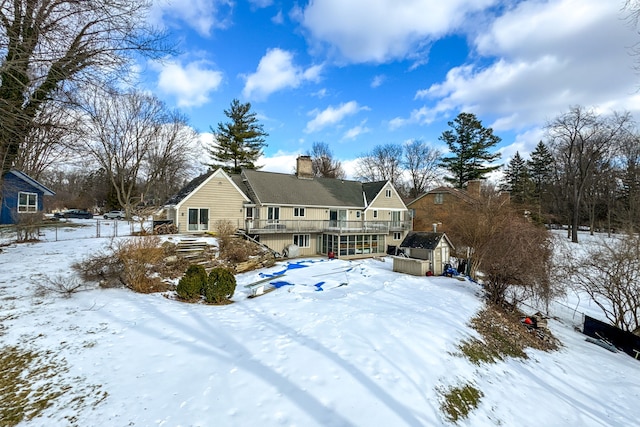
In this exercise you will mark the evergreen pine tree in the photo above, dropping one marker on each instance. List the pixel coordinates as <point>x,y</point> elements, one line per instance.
<point>540,168</point>
<point>517,181</point>
<point>238,144</point>
<point>469,143</point>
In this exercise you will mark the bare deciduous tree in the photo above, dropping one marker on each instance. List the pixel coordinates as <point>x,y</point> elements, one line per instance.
<point>323,163</point>
<point>610,275</point>
<point>50,47</point>
<point>383,163</point>
<point>580,138</point>
<point>421,163</point>
<point>134,138</point>
<point>508,252</point>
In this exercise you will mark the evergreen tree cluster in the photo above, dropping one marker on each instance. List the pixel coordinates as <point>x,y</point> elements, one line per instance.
<point>527,180</point>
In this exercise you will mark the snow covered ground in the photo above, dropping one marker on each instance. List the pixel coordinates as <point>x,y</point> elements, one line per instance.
<point>343,343</point>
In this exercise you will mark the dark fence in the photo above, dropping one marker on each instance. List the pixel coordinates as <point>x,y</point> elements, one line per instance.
<point>626,341</point>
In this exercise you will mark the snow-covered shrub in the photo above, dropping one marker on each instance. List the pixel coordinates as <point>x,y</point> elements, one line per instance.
<point>191,285</point>
<point>220,286</point>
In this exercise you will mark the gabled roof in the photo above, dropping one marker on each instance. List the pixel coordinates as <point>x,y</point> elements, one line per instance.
<point>424,240</point>
<point>32,182</point>
<point>188,189</point>
<point>461,194</point>
<point>372,189</point>
<point>287,189</point>
<point>272,188</point>
<point>200,181</point>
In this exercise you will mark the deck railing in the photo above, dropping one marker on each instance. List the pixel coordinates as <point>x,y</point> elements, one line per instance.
<point>262,226</point>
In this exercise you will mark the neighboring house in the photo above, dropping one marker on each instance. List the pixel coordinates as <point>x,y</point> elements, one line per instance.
<point>438,205</point>
<point>21,194</point>
<point>319,215</point>
<point>431,246</point>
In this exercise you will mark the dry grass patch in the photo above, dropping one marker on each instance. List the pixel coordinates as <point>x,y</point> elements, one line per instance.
<point>457,402</point>
<point>31,382</point>
<point>503,336</point>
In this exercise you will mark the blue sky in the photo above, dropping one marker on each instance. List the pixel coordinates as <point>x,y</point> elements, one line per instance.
<point>360,73</point>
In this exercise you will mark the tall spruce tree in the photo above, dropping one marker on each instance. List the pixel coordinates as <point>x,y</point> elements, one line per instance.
<point>516,179</point>
<point>540,167</point>
<point>469,143</point>
<point>238,144</point>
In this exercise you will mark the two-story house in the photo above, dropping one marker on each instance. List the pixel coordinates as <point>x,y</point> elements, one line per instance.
<point>319,215</point>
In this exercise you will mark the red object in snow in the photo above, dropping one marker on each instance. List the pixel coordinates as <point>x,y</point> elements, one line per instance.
<point>528,321</point>
<point>331,255</point>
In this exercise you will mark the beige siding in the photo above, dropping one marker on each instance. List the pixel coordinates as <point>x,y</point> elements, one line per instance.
<point>278,242</point>
<point>286,213</point>
<point>222,199</point>
<point>384,202</point>
<point>415,267</point>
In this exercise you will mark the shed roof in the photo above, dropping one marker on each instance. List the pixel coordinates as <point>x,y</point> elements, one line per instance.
<point>424,240</point>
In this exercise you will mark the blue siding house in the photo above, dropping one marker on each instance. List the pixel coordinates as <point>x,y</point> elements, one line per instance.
<point>21,194</point>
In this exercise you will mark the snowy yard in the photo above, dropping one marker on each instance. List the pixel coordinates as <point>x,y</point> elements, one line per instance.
<point>342,343</point>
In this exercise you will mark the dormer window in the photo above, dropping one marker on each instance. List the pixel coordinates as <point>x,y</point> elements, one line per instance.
<point>387,193</point>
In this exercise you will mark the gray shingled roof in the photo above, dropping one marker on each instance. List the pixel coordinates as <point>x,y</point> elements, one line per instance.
<point>288,189</point>
<point>188,189</point>
<point>371,189</point>
<point>421,239</point>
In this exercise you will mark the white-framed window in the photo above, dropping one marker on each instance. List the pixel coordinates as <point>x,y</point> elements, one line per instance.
<point>198,219</point>
<point>387,193</point>
<point>302,240</point>
<point>375,214</point>
<point>273,214</point>
<point>397,235</point>
<point>438,198</point>
<point>248,213</point>
<point>27,202</point>
<point>298,212</point>
<point>358,214</point>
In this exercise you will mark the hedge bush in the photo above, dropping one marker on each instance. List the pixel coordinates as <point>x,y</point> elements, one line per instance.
<point>191,285</point>
<point>220,286</point>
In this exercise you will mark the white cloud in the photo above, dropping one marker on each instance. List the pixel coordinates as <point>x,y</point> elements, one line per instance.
<point>545,62</point>
<point>261,3</point>
<point>281,161</point>
<point>331,115</point>
<point>422,115</point>
<point>383,30</point>
<point>320,93</point>
<point>278,18</point>
<point>190,83</point>
<point>201,15</point>
<point>378,80</point>
<point>276,71</point>
<point>356,131</point>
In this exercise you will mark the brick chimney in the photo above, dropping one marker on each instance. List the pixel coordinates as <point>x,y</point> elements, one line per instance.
<point>473,188</point>
<point>304,167</point>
